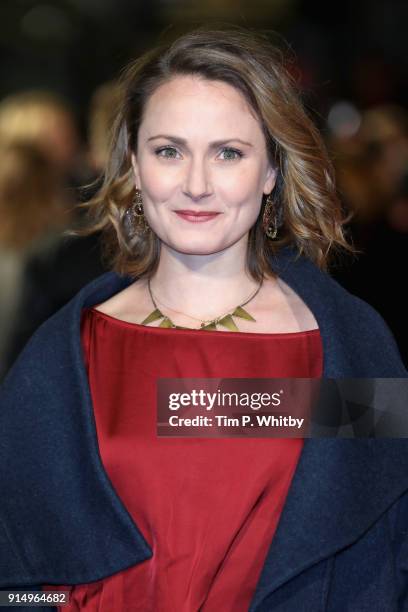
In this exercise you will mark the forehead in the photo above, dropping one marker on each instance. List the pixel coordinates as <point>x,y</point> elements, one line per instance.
<point>193,103</point>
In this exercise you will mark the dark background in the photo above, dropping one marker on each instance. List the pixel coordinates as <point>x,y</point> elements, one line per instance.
<point>345,50</point>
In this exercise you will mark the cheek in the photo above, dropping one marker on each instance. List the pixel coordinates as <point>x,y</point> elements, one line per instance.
<point>243,196</point>
<point>156,183</point>
<point>242,188</point>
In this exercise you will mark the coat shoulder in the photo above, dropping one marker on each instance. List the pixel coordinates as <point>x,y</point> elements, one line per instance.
<point>56,340</point>
<point>351,327</point>
<point>369,329</point>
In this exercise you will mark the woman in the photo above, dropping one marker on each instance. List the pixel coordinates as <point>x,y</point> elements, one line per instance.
<point>219,212</point>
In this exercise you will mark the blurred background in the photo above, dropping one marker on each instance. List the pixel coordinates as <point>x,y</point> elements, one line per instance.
<point>57,97</point>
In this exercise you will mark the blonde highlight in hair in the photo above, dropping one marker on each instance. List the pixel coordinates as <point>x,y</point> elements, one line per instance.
<point>305,193</point>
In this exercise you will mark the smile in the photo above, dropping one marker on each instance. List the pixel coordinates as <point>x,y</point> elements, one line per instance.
<point>194,218</point>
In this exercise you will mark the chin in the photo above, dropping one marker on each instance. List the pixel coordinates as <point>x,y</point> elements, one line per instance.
<point>194,247</point>
<point>189,250</point>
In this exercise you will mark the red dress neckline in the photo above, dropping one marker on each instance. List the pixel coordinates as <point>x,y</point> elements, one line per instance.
<point>170,330</point>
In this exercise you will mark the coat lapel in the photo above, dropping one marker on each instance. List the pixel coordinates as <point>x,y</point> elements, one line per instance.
<point>82,531</point>
<point>340,488</point>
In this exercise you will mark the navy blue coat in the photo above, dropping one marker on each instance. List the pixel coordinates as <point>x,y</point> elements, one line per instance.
<point>342,541</point>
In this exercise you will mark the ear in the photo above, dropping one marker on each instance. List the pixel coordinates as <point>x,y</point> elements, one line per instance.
<point>270,181</point>
<point>135,167</point>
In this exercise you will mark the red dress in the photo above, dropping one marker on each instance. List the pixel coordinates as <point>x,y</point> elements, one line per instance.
<point>208,507</point>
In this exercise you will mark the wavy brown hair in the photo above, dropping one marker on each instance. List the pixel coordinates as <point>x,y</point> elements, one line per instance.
<point>307,207</point>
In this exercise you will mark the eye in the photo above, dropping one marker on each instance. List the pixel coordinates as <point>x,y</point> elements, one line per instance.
<point>172,150</point>
<point>231,154</point>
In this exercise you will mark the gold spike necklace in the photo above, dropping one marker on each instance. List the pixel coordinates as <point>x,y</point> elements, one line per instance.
<point>225,320</point>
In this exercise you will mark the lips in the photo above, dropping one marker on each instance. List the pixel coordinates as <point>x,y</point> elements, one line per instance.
<point>196,216</point>
<point>198,213</point>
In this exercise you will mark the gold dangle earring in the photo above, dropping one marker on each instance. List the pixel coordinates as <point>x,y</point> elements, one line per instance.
<point>270,227</point>
<point>135,215</point>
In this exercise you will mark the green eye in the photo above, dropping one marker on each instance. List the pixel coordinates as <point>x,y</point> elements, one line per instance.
<point>167,152</point>
<point>231,154</point>
<point>228,153</point>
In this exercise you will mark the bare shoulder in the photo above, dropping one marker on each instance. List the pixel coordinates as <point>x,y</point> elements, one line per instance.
<point>129,304</point>
<point>299,310</point>
<point>283,310</point>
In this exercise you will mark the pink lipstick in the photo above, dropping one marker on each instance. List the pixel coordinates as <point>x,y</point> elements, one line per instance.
<point>196,216</point>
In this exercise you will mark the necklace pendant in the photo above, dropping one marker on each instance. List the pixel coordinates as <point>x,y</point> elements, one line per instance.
<point>228,322</point>
<point>166,323</point>
<point>153,316</point>
<point>209,326</point>
<point>243,314</point>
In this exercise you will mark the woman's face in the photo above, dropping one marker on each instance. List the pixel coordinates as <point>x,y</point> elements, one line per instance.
<point>201,149</point>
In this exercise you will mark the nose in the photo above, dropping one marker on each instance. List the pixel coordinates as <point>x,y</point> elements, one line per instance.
<point>196,184</point>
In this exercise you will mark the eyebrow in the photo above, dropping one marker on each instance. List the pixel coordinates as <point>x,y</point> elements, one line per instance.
<point>213,145</point>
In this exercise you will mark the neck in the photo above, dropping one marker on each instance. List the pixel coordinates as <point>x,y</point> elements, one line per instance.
<point>202,286</point>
